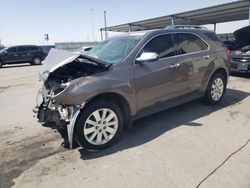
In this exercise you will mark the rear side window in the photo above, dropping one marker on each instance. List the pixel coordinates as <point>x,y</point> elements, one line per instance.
<point>33,48</point>
<point>189,43</point>
<point>22,49</point>
<point>162,45</point>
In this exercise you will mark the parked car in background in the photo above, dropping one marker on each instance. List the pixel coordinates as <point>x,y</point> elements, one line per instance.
<point>22,54</point>
<point>95,95</point>
<point>240,59</point>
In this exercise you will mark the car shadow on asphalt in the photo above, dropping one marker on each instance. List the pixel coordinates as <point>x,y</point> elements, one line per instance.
<point>151,127</point>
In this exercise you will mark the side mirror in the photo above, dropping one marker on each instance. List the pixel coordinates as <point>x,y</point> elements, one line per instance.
<point>5,52</point>
<point>147,56</point>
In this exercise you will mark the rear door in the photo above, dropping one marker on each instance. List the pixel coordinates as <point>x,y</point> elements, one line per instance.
<point>194,58</point>
<point>23,52</point>
<point>33,51</point>
<point>157,81</point>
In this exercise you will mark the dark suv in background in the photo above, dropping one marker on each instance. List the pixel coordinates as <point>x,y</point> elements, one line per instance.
<point>22,54</point>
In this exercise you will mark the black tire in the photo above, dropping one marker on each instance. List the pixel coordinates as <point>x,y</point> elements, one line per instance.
<point>36,61</point>
<point>208,97</point>
<point>1,63</point>
<point>86,113</point>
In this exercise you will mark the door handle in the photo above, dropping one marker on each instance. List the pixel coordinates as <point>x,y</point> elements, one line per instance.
<point>206,56</point>
<point>174,65</point>
<point>15,55</point>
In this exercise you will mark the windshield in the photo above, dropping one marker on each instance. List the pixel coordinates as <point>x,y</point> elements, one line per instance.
<point>2,50</point>
<point>114,50</point>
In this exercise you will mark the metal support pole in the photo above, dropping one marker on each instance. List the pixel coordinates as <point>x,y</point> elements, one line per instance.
<point>105,24</point>
<point>101,35</point>
<point>215,27</point>
<point>172,20</point>
<point>92,24</point>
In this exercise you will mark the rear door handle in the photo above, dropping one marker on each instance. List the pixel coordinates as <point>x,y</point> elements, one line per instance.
<point>174,65</point>
<point>206,56</point>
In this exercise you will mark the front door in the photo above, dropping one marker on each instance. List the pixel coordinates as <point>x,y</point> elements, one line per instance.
<point>11,55</point>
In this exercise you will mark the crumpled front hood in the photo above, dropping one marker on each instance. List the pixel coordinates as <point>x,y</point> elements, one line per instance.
<point>242,36</point>
<point>58,58</point>
<point>55,59</point>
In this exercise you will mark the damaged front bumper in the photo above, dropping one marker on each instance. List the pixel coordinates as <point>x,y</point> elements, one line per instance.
<point>51,114</point>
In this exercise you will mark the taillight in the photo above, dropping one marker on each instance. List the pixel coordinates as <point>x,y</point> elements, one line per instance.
<point>228,52</point>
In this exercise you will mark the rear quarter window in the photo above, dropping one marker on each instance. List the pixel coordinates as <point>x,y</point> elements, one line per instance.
<point>214,38</point>
<point>189,43</point>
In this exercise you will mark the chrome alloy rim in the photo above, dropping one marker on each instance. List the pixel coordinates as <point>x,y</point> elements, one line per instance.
<point>217,89</point>
<point>101,126</point>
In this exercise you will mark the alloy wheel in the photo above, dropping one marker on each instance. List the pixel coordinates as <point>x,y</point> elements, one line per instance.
<point>217,89</point>
<point>101,126</point>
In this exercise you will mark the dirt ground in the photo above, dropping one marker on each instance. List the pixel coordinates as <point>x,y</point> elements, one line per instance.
<point>179,147</point>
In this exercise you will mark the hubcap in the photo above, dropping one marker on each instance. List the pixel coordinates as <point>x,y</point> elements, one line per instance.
<point>37,61</point>
<point>217,89</point>
<point>101,126</point>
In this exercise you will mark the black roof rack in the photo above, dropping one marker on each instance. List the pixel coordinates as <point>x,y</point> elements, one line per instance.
<point>185,27</point>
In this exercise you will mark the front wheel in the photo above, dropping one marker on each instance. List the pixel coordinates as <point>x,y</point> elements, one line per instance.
<point>216,89</point>
<point>99,125</point>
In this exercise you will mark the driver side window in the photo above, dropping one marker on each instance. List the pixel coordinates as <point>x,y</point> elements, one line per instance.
<point>11,50</point>
<point>162,45</point>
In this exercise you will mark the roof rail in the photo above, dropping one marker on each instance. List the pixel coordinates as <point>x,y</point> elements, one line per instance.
<point>185,27</point>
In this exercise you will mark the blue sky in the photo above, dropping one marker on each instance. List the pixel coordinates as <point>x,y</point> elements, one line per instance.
<point>26,21</point>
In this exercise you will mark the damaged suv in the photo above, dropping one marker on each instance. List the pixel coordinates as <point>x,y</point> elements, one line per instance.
<point>97,94</point>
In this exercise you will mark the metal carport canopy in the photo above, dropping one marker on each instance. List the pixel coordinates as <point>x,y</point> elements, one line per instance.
<point>234,11</point>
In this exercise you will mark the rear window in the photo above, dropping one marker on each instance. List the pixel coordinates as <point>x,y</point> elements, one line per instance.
<point>189,43</point>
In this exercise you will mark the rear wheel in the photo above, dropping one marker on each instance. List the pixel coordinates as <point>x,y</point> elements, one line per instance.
<point>99,125</point>
<point>216,89</point>
<point>36,61</point>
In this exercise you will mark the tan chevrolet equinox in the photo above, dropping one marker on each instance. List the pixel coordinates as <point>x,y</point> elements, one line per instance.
<point>95,95</point>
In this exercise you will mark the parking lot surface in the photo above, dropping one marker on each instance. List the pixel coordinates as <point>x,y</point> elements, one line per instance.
<point>179,147</point>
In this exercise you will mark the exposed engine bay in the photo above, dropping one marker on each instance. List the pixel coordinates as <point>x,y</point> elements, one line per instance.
<point>58,70</point>
<point>60,78</point>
